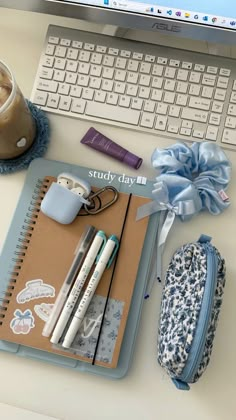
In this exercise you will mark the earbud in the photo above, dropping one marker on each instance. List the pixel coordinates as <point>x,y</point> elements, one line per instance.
<point>78,191</point>
<point>65,182</point>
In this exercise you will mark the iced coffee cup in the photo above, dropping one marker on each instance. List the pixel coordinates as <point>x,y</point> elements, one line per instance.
<point>17,126</point>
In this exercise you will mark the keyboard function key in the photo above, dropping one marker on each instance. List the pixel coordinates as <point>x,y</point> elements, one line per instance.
<point>101,49</point>
<point>162,60</point>
<point>89,47</point>
<point>199,67</point>
<point>113,51</point>
<point>77,44</point>
<point>212,69</point>
<point>65,42</point>
<point>174,63</point>
<point>137,56</point>
<point>225,72</point>
<point>150,58</point>
<point>53,40</point>
<point>187,65</point>
<point>125,53</point>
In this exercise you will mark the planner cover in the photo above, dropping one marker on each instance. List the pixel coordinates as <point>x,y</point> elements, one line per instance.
<point>44,250</point>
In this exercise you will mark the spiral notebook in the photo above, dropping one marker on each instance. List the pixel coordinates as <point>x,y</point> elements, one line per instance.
<point>43,253</point>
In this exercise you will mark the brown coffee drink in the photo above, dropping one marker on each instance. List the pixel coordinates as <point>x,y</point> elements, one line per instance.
<point>17,126</point>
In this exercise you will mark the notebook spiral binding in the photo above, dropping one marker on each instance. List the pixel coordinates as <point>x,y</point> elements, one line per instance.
<point>23,242</point>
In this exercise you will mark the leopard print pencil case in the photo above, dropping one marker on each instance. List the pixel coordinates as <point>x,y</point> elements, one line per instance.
<point>190,307</point>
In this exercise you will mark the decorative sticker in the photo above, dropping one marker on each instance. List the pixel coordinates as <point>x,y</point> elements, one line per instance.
<point>35,289</point>
<point>85,341</point>
<point>43,310</point>
<point>22,322</point>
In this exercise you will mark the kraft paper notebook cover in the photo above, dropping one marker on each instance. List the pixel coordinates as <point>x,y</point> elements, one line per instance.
<point>39,274</point>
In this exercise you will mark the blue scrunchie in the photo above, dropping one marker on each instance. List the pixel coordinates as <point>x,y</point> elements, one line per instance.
<point>191,179</point>
<point>199,171</point>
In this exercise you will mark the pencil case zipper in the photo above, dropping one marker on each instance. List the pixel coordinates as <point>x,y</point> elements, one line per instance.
<point>197,349</point>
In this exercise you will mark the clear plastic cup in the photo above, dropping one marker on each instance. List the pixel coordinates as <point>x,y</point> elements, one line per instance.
<point>17,125</point>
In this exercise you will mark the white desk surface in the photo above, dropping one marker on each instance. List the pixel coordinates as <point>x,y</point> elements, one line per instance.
<point>146,392</point>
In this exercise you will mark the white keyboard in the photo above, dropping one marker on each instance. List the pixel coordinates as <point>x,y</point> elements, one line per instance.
<point>153,89</point>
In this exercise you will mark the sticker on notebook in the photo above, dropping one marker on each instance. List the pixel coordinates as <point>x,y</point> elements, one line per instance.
<point>43,310</point>
<point>22,322</point>
<point>35,289</point>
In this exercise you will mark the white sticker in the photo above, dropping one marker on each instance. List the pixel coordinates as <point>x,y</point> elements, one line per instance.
<point>22,322</point>
<point>35,289</point>
<point>43,310</point>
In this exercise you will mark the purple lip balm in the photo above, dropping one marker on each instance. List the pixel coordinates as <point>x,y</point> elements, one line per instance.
<point>103,144</point>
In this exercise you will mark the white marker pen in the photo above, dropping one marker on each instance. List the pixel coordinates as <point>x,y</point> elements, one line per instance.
<point>97,244</point>
<point>105,260</point>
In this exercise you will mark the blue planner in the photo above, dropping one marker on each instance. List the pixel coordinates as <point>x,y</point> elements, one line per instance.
<point>38,170</point>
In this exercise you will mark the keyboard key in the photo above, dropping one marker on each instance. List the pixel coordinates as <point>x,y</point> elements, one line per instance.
<point>199,103</point>
<point>161,122</point>
<point>194,115</point>
<point>147,120</point>
<point>124,115</point>
<point>229,136</point>
<point>53,100</point>
<point>208,79</point>
<point>137,103</point>
<point>41,98</point>
<point>78,106</point>
<point>48,86</point>
<point>230,122</point>
<point>65,103</point>
<point>211,133</point>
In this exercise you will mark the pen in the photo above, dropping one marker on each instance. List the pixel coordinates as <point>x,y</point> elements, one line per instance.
<point>104,261</point>
<point>80,251</point>
<point>96,248</point>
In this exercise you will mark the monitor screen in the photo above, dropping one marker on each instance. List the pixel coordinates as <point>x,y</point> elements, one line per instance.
<point>217,13</point>
<point>213,21</point>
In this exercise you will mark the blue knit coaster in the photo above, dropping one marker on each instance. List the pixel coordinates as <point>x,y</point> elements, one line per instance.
<point>38,148</point>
